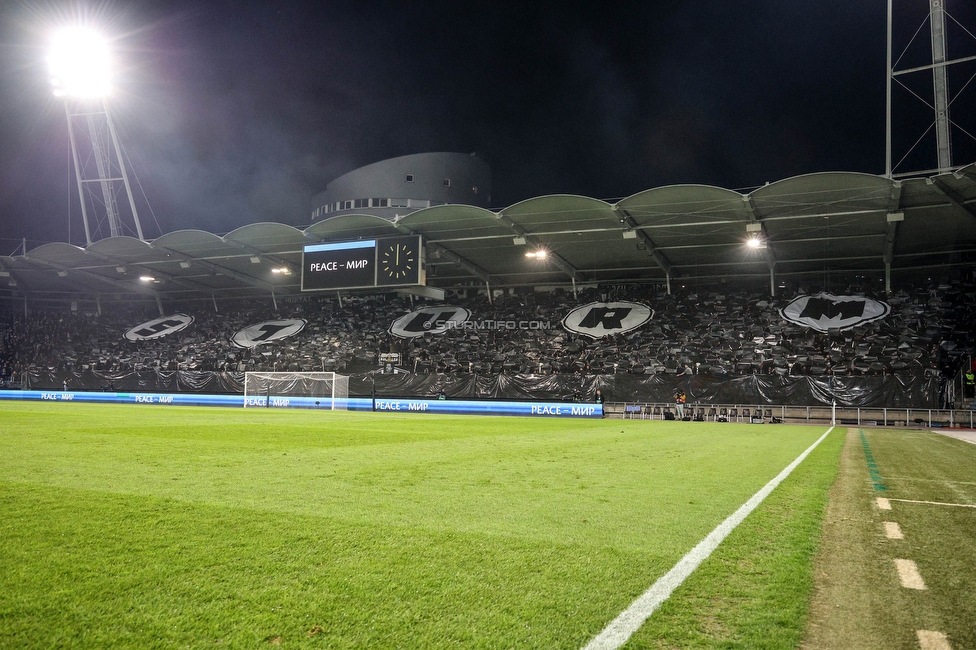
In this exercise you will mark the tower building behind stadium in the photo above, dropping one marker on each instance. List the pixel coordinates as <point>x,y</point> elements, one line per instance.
<point>398,186</point>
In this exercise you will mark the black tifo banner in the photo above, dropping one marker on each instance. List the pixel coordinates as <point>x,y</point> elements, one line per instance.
<point>863,391</point>
<point>823,312</point>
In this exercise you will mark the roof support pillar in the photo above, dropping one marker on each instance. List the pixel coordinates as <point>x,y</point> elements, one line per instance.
<point>560,263</point>
<point>124,286</point>
<point>891,235</point>
<point>765,247</point>
<point>471,268</point>
<point>652,249</point>
<point>952,195</point>
<point>251,250</point>
<point>216,268</point>
<point>159,304</point>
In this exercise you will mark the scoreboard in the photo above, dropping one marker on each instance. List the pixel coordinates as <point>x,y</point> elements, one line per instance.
<point>364,264</point>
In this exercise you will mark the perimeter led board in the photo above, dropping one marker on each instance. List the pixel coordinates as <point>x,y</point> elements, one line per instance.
<point>364,264</point>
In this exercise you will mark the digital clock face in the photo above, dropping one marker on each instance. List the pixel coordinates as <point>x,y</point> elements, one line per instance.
<point>398,261</point>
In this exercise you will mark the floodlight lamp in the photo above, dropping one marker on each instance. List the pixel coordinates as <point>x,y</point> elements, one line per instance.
<point>79,63</point>
<point>754,242</point>
<point>147,278</point>
<point>540,254</point>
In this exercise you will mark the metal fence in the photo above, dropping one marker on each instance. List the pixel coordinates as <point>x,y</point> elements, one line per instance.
<point>900,417</point>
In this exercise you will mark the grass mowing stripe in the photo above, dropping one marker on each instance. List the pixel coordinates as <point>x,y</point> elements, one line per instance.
<point>876,479</point>
<point>621,628</point>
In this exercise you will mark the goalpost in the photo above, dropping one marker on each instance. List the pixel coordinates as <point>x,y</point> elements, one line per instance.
<point>323,390</point>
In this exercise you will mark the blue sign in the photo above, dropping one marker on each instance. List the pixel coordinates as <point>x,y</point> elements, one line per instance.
<point>176,399</point>
<point>472,407</point>
<point>383,405</point>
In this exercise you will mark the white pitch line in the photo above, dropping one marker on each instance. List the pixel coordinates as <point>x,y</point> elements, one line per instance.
<point>629,621</point>
<point>893,530</point>
<point>909,575</point>
<point>936,503</point>
<point>928,640</point>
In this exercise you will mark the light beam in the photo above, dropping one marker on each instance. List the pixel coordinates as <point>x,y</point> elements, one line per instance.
<point>79,63</point>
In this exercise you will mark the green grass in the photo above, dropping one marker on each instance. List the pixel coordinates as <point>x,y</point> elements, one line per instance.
<point>859,601</point>
<point>926,466</point>
<point>753,592</point>
<point>184,527</point>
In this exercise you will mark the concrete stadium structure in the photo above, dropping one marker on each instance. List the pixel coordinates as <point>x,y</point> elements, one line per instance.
<point>833,223</point>
<point>398,186</point>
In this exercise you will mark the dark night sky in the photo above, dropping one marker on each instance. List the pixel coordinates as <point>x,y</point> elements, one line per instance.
<point>236,111</point>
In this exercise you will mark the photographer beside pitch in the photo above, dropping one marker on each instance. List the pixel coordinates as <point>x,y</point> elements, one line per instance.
<point>679,403</point>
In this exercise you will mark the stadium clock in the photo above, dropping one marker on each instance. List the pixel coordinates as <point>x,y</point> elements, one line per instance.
<point>398,261</point>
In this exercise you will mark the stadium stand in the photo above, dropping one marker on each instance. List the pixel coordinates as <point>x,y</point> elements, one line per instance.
<point>718,334</point>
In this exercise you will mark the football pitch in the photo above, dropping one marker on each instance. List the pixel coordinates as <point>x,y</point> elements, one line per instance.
<point>139,527</point>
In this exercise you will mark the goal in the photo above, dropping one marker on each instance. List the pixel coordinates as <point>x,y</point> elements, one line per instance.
<point>322,390</point>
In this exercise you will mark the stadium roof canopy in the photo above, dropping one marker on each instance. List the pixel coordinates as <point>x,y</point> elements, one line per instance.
<point>811,225</point>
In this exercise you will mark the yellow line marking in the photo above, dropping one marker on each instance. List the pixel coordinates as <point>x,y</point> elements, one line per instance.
<point>929,640</point>
<point>893,530</point>
<point>909,575</point>
<point>931,503</point>
<point>883,504</point>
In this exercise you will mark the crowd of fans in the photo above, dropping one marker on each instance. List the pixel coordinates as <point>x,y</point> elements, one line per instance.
<point>706,331</point>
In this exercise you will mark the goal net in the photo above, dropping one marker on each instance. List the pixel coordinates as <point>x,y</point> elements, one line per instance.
<point>321,390</point>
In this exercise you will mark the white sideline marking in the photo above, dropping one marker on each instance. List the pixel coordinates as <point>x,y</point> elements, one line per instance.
<point>937,503</point>
<point>929,640</point>
<point>893,530</point>
<point>621,628</point>
<point>909,575</point>
<point>883,504</point>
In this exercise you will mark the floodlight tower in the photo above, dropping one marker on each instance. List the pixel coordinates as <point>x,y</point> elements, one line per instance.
<point>80,66</point>
<point>941,99</point>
